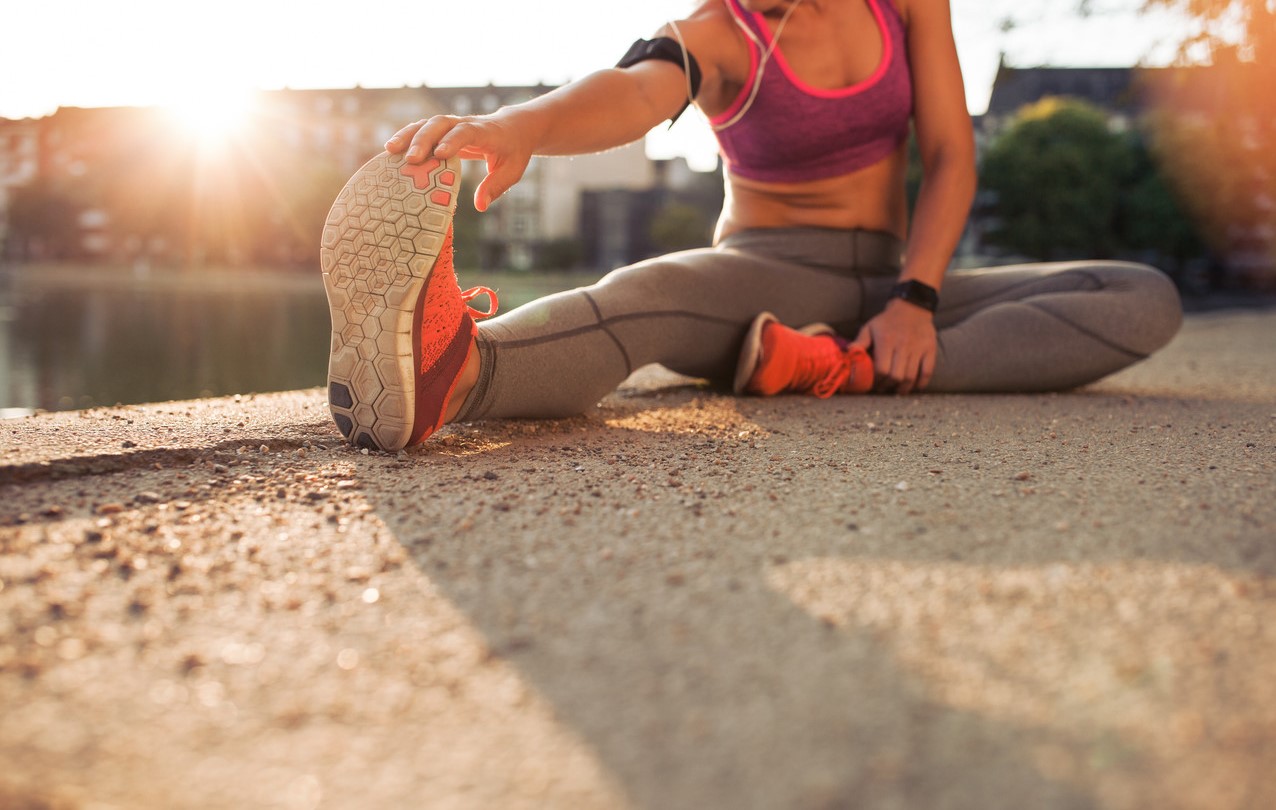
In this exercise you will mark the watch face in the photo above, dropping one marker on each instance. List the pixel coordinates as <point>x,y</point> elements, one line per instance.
<point>915,292</point>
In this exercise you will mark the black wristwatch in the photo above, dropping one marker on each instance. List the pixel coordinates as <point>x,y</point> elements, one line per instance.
<point>915,292</point>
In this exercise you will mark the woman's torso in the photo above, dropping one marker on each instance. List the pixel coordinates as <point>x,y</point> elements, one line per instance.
<point>841,46</point>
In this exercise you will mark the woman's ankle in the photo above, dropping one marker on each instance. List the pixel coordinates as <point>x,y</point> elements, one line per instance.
<point>464,384</point>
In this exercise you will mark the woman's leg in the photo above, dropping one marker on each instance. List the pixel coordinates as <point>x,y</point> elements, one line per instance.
<point>688,311</point>
<point>1047,327</point>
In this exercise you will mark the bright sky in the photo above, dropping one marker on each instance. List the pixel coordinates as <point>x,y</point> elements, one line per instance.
<point>133,52</point>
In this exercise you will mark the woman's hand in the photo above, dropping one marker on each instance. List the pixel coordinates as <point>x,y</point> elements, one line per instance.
<point>903,344</point>
<point>483,137</point>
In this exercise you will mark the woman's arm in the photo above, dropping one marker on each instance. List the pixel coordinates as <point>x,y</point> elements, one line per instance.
<point>604,110</point>
<point>903,335</point>
<point>946,141</point>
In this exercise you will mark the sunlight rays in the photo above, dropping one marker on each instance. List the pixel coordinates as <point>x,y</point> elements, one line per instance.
<point>212,117</point>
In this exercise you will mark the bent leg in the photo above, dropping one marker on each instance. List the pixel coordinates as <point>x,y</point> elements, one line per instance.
<point>1050,327</point>
<point>688,311</point>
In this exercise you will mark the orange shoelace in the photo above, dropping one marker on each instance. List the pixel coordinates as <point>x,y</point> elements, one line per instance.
<point>474,292</point>
<point>821,373</point>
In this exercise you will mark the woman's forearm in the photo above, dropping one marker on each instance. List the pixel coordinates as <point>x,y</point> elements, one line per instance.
<point>604,110</point>
<point>939,218</point>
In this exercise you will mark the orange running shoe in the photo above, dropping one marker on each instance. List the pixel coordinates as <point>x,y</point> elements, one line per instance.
<point>401,326</point>
<point>813,360</point>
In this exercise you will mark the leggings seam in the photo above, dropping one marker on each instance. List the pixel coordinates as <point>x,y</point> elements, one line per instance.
<point>604,323</point>
<point>978,302</point>
<point>1095,337</point>
<point>598,315</point>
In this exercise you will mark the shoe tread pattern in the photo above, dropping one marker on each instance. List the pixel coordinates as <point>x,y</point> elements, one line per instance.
<point>380,242</point>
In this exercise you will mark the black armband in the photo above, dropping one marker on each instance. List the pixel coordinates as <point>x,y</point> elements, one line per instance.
<point>665,49</point>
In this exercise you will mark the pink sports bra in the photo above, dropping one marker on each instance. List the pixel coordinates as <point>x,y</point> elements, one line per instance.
<point>793,132</point>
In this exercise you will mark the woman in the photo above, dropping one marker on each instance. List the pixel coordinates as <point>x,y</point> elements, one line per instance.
<point>811,101</point>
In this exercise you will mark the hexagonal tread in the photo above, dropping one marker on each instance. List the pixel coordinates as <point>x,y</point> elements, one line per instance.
<point>378,246</point>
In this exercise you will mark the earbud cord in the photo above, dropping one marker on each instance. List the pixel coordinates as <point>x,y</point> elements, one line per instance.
<point>686,59</point>
<point>762,63</point>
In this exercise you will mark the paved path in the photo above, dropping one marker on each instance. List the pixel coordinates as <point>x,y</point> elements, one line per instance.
<point>682,600</point>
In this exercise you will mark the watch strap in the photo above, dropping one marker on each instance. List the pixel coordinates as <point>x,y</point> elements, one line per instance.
<point>918,294</point>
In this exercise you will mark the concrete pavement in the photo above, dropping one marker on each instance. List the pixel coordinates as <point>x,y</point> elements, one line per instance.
<point>682,600</point>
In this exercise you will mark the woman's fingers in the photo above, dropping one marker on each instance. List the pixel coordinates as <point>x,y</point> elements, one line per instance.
<point>400,140</point>
<point>927,371</point>
<point>448,136</point>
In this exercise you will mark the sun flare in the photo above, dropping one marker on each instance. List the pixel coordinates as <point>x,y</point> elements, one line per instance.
<point>212,117</point>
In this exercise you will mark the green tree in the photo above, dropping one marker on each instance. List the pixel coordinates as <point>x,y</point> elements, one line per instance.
<point>1056,175</point>
<point>467,223</point>
<point>680,226</point>
<point>559,255</point>
<point>1151,217</point>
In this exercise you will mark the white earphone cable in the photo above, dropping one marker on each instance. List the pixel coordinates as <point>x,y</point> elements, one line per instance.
<point>686,59</point>
<point>762,63</point>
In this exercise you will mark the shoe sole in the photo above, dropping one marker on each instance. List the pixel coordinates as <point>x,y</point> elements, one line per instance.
<point>751,351</point>
<point>380,243</point>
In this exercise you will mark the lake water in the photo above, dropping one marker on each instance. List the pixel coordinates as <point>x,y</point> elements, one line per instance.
<point>78,337</point>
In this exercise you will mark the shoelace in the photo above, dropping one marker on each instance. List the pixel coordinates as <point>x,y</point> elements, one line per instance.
<point>822,377</point>
<point>474,292</point>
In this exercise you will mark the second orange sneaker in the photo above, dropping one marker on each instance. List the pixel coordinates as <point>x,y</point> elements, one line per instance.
<point>776,359</point>
<point>401,326</point>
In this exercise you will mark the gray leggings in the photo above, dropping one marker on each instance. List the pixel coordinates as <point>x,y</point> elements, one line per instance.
<point>1038,327</point>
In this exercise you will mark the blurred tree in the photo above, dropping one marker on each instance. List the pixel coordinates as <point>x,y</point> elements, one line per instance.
<point>560,255</point>
<point>467,224</point>
<point>680,226</point>
<point>1151,219</point>
<point>1056,175</point>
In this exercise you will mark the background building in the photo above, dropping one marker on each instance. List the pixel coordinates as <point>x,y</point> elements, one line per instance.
<point>127,184</point>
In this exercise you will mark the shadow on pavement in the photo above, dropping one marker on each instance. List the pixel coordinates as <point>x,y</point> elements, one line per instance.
<point>740,604</point>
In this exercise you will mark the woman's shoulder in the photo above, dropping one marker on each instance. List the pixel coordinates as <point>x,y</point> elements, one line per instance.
<point>710,18</point>
<point>710,32</point>
<point>908,8</point>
